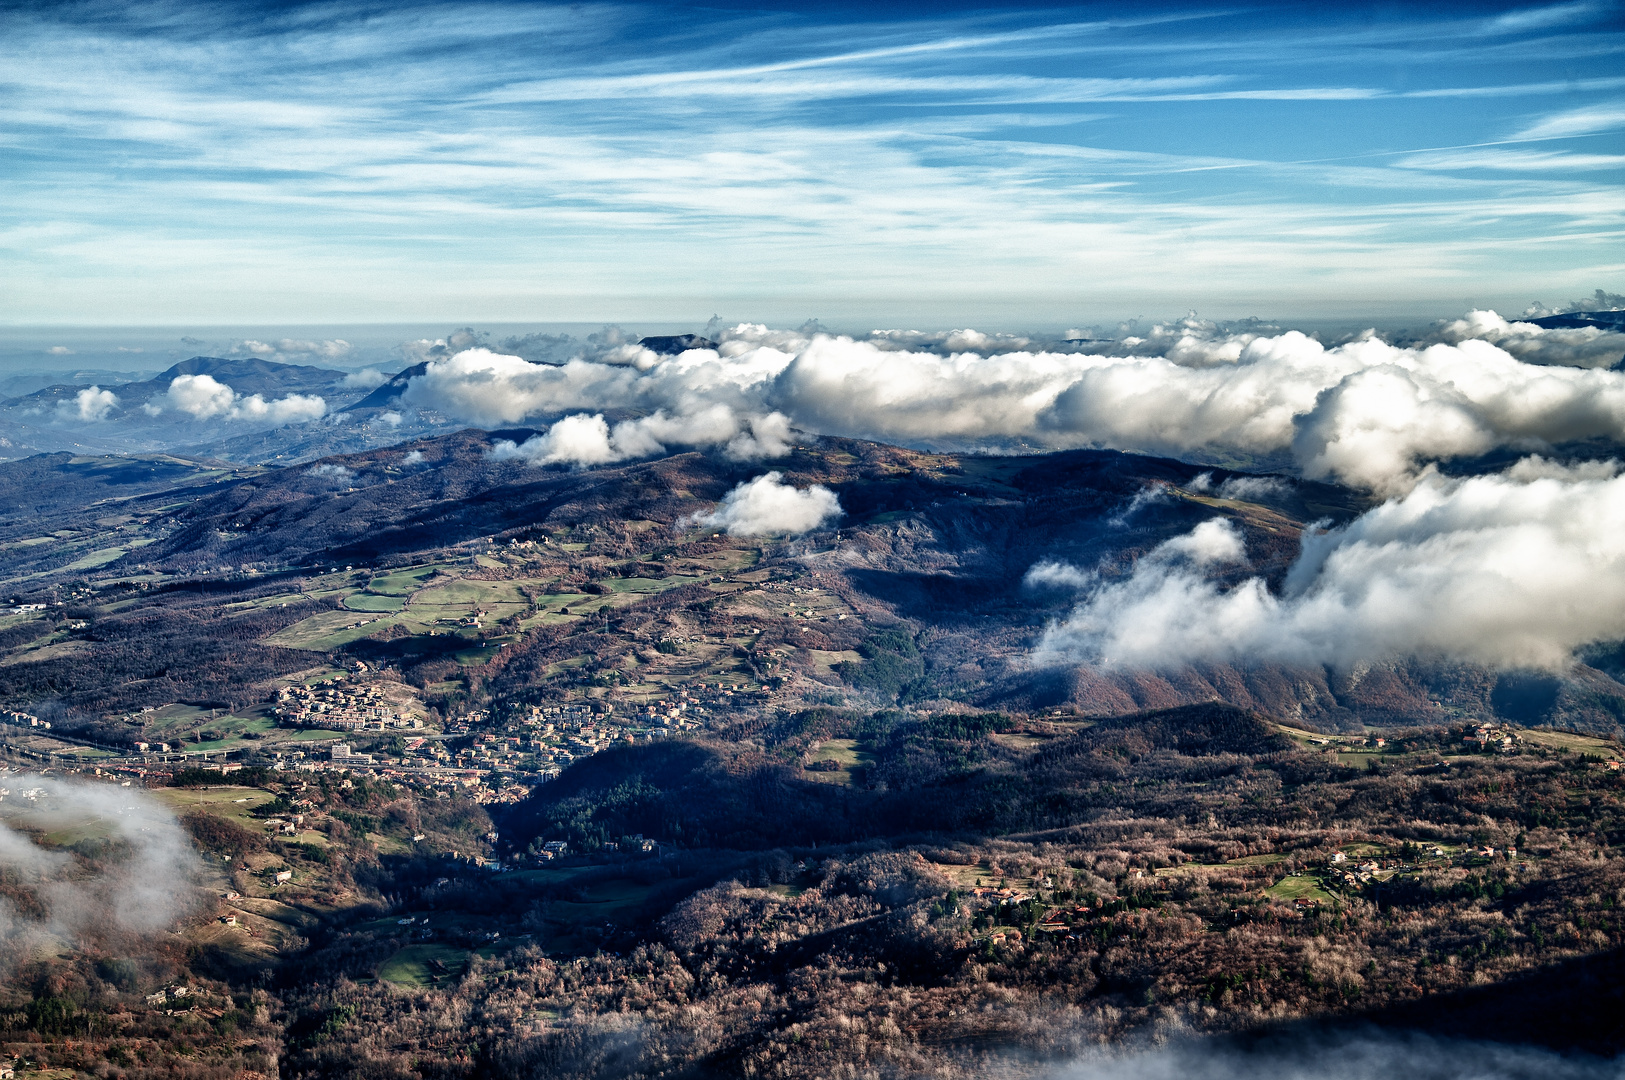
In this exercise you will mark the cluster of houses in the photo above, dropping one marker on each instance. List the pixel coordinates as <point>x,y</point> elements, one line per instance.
<point>171,995</point>
<point>1357,874</point>
<point>339,708</point>
<point>22,719</point>
<point>1485,736</point>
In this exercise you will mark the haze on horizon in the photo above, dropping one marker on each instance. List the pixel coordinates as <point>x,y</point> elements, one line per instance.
<point>181,164</point>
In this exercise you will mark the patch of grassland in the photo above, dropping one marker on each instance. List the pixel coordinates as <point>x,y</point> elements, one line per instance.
<point>1301,887</point>
<point>848,753</point>
<point>411,965</point>
<point>96,558</point>
<point>403,582</point>
<point>369,602</point>
<point>1570,741</point>
<point>232,803</point>
<point>324,631</point>
<point>647,585</point>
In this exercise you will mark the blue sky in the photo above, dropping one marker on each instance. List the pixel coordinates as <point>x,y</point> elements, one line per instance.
<point>892,164</point>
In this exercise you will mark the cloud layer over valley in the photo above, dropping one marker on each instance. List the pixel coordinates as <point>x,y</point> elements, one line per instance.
<point>1512,570</point>
<point>1364,412</point>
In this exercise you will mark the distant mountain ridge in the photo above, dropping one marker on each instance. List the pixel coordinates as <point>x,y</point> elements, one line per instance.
<point>251,375</point>
<point>246,375</point>
<point>1605,320</point>
<point>390,393</point>
<point>49,420</point>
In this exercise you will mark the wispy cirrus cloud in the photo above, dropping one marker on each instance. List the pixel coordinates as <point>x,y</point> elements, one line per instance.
<point>346,160</point>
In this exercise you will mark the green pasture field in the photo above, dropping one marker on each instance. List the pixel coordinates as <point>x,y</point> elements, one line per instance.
<point>1570,741</point>
<point>97,558</point>
<point>469,593</point>
<point>410,966</point>
<point>404,582</point>
<point>323,631</point>
<point>848,752</point>
<point>176,721</point>
<point>233,803</point>
<point>648,585</point>
<point>32,541</point>
<point>824,662</point>
<point>476,657</point>
<point>403,599</point>
<point>1303,886</point>
<point>547,608</point>
<point>175,715</point>
<point>364,601</point>
<point>281,599</point>
<point>389,845</point>
<point>233,728</point>
<point>726,561</point>
<point>303,735</point>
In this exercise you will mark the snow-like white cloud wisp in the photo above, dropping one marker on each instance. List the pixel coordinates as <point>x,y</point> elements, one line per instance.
<point>1365,412</point>
<point>1514,570</point>
<point>767,506</point>
<point>202,397</point>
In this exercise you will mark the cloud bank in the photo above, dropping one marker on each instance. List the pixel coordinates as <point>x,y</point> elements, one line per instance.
<point>766,506</point>
<point>1365,412</point>
<point>202,397</point>
<point>1369,1055</point>
<point>588,440</point>
<point>1512,570</point>
<point>145,866</point>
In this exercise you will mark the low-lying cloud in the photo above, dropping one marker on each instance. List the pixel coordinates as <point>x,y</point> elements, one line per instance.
<point>139,874</point>
<point>767,506</point>
<point>1512,570</point>
<point>1368,1055</point>
<point>585,440</point>
<point>366,379</point>
<point>1365,412</point>
<point>202,397</point>
<point>90,405</point>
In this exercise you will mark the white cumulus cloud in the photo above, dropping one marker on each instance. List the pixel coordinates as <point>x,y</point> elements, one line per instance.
<point>88,405</point>
<point>203,397</point>
<point>1365,412</point>
<point>1580,346</point>
<point>1512,570</point>
<point>588,440</point>
<point>767,506</point>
